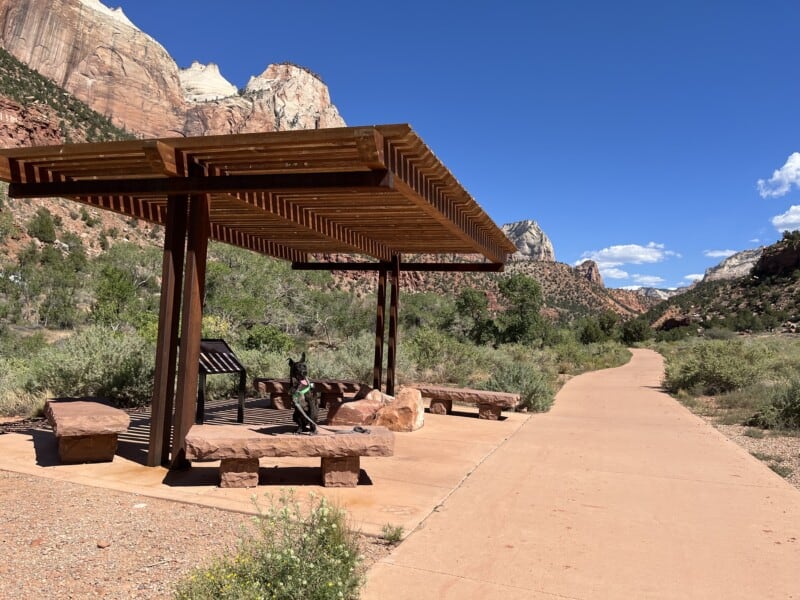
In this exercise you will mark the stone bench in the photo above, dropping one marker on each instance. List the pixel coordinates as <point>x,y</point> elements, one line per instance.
<point>86,430</point>
<point>490,404</point>
<point>238,448</point>
<point>331,391</point>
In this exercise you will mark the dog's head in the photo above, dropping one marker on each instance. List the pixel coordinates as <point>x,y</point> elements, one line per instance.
<point>298,370</point>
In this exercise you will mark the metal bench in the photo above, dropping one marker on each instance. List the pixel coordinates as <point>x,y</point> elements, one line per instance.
<point>217,358</point>
<point>238,448</point>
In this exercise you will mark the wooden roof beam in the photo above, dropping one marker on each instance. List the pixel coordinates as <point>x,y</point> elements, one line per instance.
<point>161,186</point>
<point>289,211</point>
<point>420,267</point>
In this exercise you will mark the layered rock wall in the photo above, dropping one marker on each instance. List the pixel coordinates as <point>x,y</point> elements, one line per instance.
<point>104,60</point>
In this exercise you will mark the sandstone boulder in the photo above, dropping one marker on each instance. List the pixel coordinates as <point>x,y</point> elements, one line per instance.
<point>404,413</point>
<point>358,412</point>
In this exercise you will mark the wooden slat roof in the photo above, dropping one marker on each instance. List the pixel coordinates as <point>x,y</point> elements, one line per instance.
<point>375,191</point>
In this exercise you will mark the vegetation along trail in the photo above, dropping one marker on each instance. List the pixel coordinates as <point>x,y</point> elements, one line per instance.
<point>617,492</point>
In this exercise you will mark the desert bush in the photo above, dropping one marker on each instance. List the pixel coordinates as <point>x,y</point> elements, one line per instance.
<point>269,338</point>
<point>782,410</point>
<point>97,361</point>
<point>714,367</point>
<point>15,400</point>
<point>718,333</point>
<point>292,553</point>
<point>441,358</point>
<point>42,226</point>
<point>534,386</point>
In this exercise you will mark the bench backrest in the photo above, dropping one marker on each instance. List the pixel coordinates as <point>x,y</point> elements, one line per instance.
<point>217,357</point>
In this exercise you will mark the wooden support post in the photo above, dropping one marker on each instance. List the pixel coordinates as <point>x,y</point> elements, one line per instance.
<point>168,322</point>
<point>391,360</point>
<point>377,370</point>
<point>191,326</point>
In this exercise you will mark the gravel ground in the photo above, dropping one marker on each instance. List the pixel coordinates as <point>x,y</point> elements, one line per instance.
<point>780,452</point>
<point>64,540</point>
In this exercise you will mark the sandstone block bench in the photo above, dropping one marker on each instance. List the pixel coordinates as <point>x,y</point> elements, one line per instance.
<point>490,404</point>
<point>238,448</point>
<point>331,391</point>
<point>86,430</point>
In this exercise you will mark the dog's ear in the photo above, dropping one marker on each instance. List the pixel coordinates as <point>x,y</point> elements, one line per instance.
<point>291,363</point>
<point>303,357</point>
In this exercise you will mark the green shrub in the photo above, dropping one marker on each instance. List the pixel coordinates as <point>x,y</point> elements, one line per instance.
<point>535,387</point>
<point>42,226</point>
<point>782,411</point>
<point>97,361</point>
<point>293,553</point>
<point>714,367</point>
<point>269,338</point>
<point>441,358</point>
<point>392,533</point>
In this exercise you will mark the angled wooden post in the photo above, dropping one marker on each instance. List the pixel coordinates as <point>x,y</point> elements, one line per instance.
<point>191,325</point>
<point>391,359</point>
<point>168,322</point>
<point>377,370</point>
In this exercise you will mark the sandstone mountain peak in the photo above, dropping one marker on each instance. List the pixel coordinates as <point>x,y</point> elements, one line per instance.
<point>202,83</point>
<point>114,13</point>
<point>532,243</point>
<point>589,270</point>
<point>139,86</point>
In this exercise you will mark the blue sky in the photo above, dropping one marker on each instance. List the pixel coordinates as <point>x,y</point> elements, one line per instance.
<point>653,137</point>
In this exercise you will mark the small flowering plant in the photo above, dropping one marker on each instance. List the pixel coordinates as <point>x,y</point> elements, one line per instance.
<point>291,553</point>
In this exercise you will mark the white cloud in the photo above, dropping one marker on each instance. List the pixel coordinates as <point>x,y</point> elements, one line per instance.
<point>719,253</point>
<point>782,179</point>
<point>789,220</point>
<point>613,273</point>
<point>647,280</point>
<point>635,254</point>
<point>693,277</point>
<point>631,288</point>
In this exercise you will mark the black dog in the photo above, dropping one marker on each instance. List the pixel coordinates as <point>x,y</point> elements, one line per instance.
<point>306,405</point>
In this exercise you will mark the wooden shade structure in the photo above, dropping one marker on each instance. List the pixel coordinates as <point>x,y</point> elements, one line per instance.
<point>377,192</point>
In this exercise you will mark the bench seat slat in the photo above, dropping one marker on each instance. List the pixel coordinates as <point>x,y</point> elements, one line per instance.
<point>437,392</point>
<point>216,442</point>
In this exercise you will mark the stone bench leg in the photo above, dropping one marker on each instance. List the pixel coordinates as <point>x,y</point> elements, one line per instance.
<point>441,407</point>
<point>281,401</point>
<point>238,472</point>
<point>489,411</point>
<point>87,448</point>
<point>341,471</point>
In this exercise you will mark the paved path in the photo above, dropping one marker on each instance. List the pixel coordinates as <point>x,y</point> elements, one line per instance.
<point>618,492</point>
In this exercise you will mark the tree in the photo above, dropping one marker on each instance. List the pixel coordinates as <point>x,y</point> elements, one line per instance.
<point>521,321</point>
<point>472,308</point>
<point>636,330</point>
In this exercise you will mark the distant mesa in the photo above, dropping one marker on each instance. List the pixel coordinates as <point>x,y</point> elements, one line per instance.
<point>532,243</point>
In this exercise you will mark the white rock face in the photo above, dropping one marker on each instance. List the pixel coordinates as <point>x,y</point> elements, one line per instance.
<point>203,83</point>
<point>532,243</point>
<point>735,266</point>
<point>114,13</point>
<point>657,293</point>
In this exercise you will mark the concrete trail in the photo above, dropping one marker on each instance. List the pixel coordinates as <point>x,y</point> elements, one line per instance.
<point>618,492</point>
